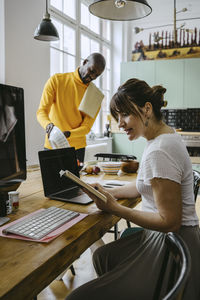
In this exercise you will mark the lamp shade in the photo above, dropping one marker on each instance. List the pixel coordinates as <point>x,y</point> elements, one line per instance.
<point>120,10</point>
<point>46,31</point>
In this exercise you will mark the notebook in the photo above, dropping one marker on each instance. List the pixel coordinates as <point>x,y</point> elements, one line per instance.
<point>56,187</point>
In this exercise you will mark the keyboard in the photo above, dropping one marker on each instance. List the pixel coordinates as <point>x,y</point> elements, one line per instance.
<point>40,224</point>
<point>70,193</point>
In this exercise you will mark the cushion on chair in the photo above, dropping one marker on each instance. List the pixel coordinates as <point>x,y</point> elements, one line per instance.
<point>129,231</point>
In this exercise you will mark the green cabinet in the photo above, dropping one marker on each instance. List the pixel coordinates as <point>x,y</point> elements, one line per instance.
<point>144,70</point>
<point>192,83</point>
<point>169,74</point>
<point>121,144</point>
<point>181,78</point>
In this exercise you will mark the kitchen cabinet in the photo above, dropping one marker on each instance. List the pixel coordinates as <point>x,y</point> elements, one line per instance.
<point>191,83</point>
<point>169,74</point>
<point>144,70</point>
<point>181,79</point>
<point>179,76</point>
<point>121,144</point>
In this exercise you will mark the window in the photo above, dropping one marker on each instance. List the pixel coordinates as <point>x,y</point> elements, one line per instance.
<point>63,52</point>
<point>88,45</point>
<point>65,6</point>
<point>89,20</point>
<point>81,34</point>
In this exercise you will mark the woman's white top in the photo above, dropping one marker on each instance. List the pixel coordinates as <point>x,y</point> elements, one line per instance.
<point>166,157</point>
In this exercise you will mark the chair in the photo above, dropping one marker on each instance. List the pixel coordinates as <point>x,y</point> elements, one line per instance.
<point>116,231</point>
<point>178,256</point>
<point>175,267</point>
<point>196,183</point>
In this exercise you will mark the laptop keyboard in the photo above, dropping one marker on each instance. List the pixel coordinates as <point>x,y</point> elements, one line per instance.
<point>40,224</point>
<point>70,193</point>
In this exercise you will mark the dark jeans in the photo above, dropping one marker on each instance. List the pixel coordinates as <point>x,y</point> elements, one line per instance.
<point>80,154</point>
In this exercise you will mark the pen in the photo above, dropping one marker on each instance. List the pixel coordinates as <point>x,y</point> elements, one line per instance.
<point>115,184</point>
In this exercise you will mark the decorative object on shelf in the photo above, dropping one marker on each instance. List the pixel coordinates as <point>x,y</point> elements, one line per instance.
<point>161,53</point>
<point>120,10</point>
<point>46,31</point>
<point>179,43</point>
<point>107,132</point>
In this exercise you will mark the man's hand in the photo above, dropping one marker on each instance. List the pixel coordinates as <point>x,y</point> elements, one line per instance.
<point>67,133</point>
<point>49,128</point>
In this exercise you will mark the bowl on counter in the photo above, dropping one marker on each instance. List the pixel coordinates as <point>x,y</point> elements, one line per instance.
<point>110,167</point>
<point>129,166</point>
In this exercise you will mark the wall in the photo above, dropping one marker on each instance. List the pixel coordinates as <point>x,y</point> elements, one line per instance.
<point>162,15</point>
<point>118,54</point>
<point>2,43</point>
<point>26,64</point>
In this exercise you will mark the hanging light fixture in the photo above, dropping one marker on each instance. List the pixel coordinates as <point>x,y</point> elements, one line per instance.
<point>120,10</point>
<point>157,38</point>
<point>46,31</point>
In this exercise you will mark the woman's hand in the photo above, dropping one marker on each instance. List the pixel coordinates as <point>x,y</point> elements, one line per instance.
<point>110,206</point>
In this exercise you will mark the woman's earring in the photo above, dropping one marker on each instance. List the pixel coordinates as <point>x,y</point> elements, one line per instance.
<point>146,122</point>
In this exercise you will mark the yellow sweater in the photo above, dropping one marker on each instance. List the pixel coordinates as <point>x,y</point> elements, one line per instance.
<point>59,104</point>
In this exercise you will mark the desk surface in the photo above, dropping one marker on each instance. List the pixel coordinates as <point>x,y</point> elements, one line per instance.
<point>26,267</point>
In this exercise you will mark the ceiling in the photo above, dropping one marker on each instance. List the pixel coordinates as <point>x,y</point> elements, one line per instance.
<point>162,12</point>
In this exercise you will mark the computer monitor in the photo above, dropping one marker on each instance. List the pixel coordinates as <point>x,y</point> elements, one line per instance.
<point>12,136</point>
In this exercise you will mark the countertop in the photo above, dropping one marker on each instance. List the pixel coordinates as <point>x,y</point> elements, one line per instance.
<point>189,133</point>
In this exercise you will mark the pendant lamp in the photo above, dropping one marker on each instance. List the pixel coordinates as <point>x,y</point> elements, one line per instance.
<point>120,10</point>
<point>46,31</point>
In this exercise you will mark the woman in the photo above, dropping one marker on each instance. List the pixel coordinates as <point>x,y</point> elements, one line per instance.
<point>126,267</point>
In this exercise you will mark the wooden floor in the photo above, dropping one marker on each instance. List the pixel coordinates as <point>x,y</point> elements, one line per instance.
<point>59,289</point>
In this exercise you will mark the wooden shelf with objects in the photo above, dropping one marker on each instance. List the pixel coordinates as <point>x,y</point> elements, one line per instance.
<point>179,43</point>
<point>174,53</point>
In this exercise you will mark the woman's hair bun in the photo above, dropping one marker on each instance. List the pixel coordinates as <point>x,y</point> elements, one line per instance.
<point>158,96</point>
<point>165,103</point>
<point>158,89</point>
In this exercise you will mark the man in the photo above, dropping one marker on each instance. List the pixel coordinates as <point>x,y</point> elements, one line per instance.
<point>60,100</point>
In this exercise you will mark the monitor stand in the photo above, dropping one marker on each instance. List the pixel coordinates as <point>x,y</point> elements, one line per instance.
<point>10,185</point>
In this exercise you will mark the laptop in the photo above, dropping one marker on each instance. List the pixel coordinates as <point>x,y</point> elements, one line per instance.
<point>56,187</point>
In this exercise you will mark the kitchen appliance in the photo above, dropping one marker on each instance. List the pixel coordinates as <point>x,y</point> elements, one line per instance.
<point>192,142</point>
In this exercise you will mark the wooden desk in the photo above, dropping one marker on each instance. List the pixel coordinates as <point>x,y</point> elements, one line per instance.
<point>26,268</point>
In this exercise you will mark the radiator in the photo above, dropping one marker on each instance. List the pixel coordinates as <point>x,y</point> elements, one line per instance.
<point>91,150</point>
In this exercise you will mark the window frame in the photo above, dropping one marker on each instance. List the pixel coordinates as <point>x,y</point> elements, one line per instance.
<point>79,30</point>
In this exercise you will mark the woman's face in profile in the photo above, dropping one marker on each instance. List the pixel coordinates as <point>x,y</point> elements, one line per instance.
<point>132,124</point>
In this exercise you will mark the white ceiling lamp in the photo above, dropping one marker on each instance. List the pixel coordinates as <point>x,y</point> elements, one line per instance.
<point>120,10</point>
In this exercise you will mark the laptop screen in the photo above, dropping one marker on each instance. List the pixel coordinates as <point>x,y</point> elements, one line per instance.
<point>51,162</point>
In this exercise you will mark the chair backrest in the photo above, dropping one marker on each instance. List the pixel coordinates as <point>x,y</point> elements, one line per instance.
<point>196,183</point>
<point>178,258</point>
